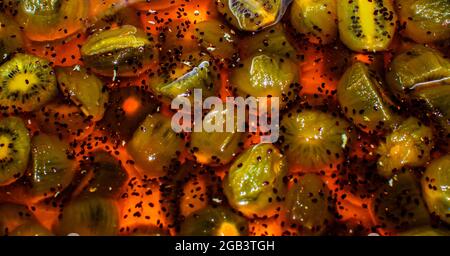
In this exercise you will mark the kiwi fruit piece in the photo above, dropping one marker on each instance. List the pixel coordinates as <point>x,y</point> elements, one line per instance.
<point>251,15</point>
<point>366,25</point>
<point>11,39</point>
<point>53,165</point>
<point>398,205</point>
<point>115,17</point>
<point>414,67</point>
<point>47,20</point>
<point>64,120</point>
<point>26,83</point>
<point>85,90</point>
<point>424,21</point>
<point>199,77</point>
<point>216,148</point>
<point>154,146</point>
<point>266,75</point>
<point>89,216</point>
<point>105,175</point>
<point>127,108</point>
<point>364,100</point>
<point>409,144</point>
<point>14,149</point>
<point>13,216</point>
<point>313,140</point>
<point>317,19</point>
<point>307,205</point>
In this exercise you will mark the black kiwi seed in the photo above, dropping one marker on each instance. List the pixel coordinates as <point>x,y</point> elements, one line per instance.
<point>26,83</point>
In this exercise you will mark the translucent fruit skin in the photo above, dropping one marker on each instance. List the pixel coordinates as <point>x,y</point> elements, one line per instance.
<point>92,216</point>
<point>315,18</point>
<point>417,65</point>
<point>254,183</point>
<point>366,25</point>
<point>47,20</point>
<point>313,140</point>
<point>33,228</point>
<point>250,15</point>
<point>84,89</point>
<point>307,205</point>
<point>124,51</point>
<point>212,221</point>
<point>425,21</point>
<point>53,167</point>
<point>362,99</point>
<point>154,146</point>
<point>13,130</point>
<point>435,186</point>
<point>409,144</point>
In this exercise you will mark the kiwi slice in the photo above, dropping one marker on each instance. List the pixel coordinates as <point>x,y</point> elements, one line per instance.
<point>154,146</point>
<point>307,205</point>
<point>14,149</point>
<point>46,20</point>
<point>366,25</point>
<point>316,19</point>
<point>212,221</point>
<point>115,17</point>
<point>273,40</point>
<point>127,108</point>
<point>91,216</point>
<point>11,39</point>
<point>313,139</point>
<point>409,144</point>
<point>84,89</point>
<point>26,83</point>
<point>424,21</point>
<point>13,216</point>
<point>398,205</point>
<point>105,175</point>
<point>217,38</point>
<point>63,120</point>
<point>53,165</point>
<point>251,15</point>
<point>363,99</point>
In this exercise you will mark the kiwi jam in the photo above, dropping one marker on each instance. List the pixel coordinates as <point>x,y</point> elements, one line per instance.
<point>86,144</point>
